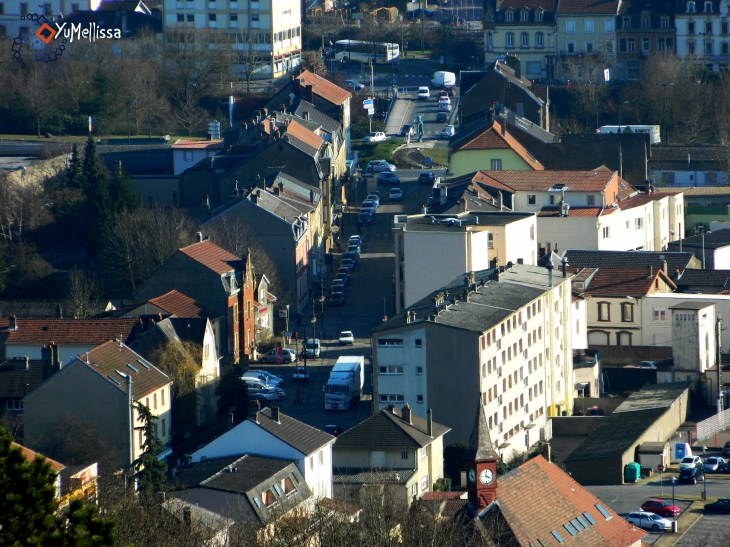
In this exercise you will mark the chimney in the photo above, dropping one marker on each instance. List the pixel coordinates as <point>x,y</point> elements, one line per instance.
<point>407,414</point>
<point>230,420</point>
<point>550,273</point>
<point>281,187</point>
<point>664,264</point>
<point>199,237</point>
<point>309,93</point>
<point>513,62</point>
<point>647,186</point>
<point>565,267</point>
<point>429,423</point>
<point>391,409</point>
<point>311,196</point>
<point>20,363</point>
<point>501,201</point>
<point>305,115</point>
<point>254,197</point>
<point>276,190</point>
<point>59,311</point>
<point>503,128</point>
<point>12,323</point>
<point>275,414</point>
<point>546,451</point>
<point>650,271</point>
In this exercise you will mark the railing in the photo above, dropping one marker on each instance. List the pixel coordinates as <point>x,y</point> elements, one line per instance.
<point>714,424</point>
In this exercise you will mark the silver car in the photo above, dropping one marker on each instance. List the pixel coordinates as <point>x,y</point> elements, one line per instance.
<point>649,521</point>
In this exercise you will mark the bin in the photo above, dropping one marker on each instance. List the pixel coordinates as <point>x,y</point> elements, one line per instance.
<point>632,472</point>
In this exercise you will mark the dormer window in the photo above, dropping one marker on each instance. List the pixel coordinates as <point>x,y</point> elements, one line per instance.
<point>509,16</point>
<point>627,22</point>
<point>708,7</point>
<point>524,16</point>
<point>690,7</point>
<point>664,21</point>
<point>538,16</point>
<point>644,21</point>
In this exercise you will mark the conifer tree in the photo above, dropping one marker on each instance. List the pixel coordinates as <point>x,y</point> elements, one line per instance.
<point>73,173</point>
<point>148,470</point>
<point>96,188</point>
<point>123,195</point>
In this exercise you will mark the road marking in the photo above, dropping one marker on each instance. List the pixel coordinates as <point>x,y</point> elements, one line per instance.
<point>378,255</point>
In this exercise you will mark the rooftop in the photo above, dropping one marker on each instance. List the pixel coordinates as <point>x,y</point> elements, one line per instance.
<point>544,181</point>
<point>491,136</point>
<point>16,380</point>
<point>708,278</point>
<point>38,308</point>
<point>579,258</point>
<point>186,144</point>
<point>623,282</point>
<point>324,88</point>
<point>304,438</point>
<point>86,332</point>
<point>710,240</point>
<point>466,221</point>
<point>176,303</point>
<point>210,255</point>
<point>31,455</point>
<point>298,130</point>
<point>696,305</point>
<point>607,7</point>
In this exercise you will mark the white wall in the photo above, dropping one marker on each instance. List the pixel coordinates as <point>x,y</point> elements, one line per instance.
<point>411,383</point>
<point>721,258</point>
<point>33,351</point>
<point>179,162</point>
<point>693,338</point>
<point>517,240</point>
<point>568,233</point>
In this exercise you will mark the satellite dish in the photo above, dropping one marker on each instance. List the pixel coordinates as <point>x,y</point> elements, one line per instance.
<point>292,96</point>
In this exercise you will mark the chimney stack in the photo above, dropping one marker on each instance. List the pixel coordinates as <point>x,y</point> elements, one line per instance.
<point>59,311</point>
<point>199,237</point>
<point>501,201</point>
<point>650,271</point>
<point>20,363</point>
<point>407,414</point>
<point>565,267</point>
<point>664,264</point>
<point>391,409</point>
<point>275,414</point>
<point>12,322</point>
<point>429,423</point>
<point>550,273</point>
<point>546,451</point>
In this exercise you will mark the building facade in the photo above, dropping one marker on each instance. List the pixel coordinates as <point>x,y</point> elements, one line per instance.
<point>12,25</point>
<point>702,32</point>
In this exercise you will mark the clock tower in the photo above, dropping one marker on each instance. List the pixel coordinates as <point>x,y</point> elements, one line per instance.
<point>481,464</point>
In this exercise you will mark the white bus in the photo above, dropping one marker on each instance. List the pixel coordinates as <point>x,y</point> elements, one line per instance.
<point>356,50</point>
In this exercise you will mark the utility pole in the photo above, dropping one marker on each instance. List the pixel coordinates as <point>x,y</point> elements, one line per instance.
<point>372,91</point>
<point>423,25</point>
<point>718,331</point>
<point>665,86</point>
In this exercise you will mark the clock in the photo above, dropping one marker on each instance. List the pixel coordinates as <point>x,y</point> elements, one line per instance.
<point>486,476</point>
<point>472,475</point>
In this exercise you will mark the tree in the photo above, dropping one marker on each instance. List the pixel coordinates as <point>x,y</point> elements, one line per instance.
<point>148,470</point>
<point>85,292</point>
<point>123,196</point>
<point>248,57</point>
<point>232,394</point>
<point>28,506</point>
<point>73,173</point>
<point>96,188</point>
<point>313,62</point>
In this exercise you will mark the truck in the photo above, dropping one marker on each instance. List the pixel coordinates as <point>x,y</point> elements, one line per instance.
<point>443,79</point>
<point>655,136</point>
<point>344,387</point>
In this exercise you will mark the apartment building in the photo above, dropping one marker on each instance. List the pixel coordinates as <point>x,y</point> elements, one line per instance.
<point>643,29</point>
<point>11,12</point>
<point>702,32</point>
<point>270,27</point>
<point>464,242</point>
<point>503,337</point>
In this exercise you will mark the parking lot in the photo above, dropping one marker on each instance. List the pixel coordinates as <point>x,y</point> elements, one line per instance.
<point>708,531</point>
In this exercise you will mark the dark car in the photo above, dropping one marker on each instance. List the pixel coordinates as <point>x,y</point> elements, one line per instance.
<point>720,506</point>
<point>333,430</point>
<point>442,117</point>
<point>407,129</point>
<point>366,219</point>
<point>355,249</point>
<point>348,263</point>
<point>691,476</point>
<point>726,450</point>
<point>387,177</point>
<point>337,299</point>
<point>345,271</point>
<point>427,177</point>
<point>353,255</point>
<point>343,276</point>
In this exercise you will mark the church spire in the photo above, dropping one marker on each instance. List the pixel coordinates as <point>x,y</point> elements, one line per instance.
<point>481,464</point>
<point>480,443</point>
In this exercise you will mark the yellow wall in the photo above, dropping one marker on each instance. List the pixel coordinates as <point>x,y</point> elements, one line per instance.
<point>468,161</point>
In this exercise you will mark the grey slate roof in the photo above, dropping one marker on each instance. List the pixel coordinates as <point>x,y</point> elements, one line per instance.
<point>15,384</point>
<point>189,330</point>
<point>36,309</point>
<point>387,430</point>
<point>305,438</point>
<point>301,106</point>
<point>712,240</point>
<point>701,158</point>
<point>359,476</point>
<point>154,159</point>
<point>578,258</point>
<point>708,278</point>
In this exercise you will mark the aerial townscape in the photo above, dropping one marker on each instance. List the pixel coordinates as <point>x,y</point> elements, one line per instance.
<point>337,274</point>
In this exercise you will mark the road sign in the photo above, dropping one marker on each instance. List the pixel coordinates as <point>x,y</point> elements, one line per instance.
<point>660,468</point>
<point>368,102</point>
<point>282,313</point>
<point>405,45</point>
<point>427,162</point>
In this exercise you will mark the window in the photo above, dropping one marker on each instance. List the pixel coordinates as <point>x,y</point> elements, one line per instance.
<point>509,16</point>
<point>664,22</point>
<point>419,343</point>
<point>591,199</point>
<point>191,18</point>
<point>644,21</point>
<point>539,39</point>
<point>414,489</point>
<point>604,311</point>
<point>390,398</point>
<point>626,23</point>
<point>162,397</point>
<point>163,432</point>
<point>390,342</point>
<point>15,405</point>
<point>691,51</point>
<point>510,39</point>
<point>588,25</point>
<point>589,47</point>
<point>154,401</point>
<point>211,17</point>
<point>525,39</point>
<point>690,28</point>
<point>496,165</point>
<point>724,48</point>
<point>419,399</point>
<point>524,16</point>
<point>181,19</point>
<point>638,223</point>
<point>708,48</point>
<point>708,27</point>
<point>708,7</point>
<point>2,8</point>
<point>538,16</point>
<point>723,28</point>
<point>24,8</point>
<point>419,371</point>
<point>608,25</point>
<point>531,199</point>
<point>605,232</point>
<point>570,26</point>
<point>424,452</point>
<point>404,455</point>
<point>627,312</point>
<point>557,536</point>
<point>626,44</point>
<point>424,483</point>
<point>603,511</point>
<point>645,45</point>
<point>385,371</point>
<point>571,49</point>
<point>690,7</point>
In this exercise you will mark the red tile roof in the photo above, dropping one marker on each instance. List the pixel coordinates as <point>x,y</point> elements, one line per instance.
<point>88,332</point>
<point>304,134</point>
<point>30,455</point>
<point>624,282</point>
<point>642,199</point>
<point>492,138</point>
<point>210,255</point>
<point>324,88</point>
<point>178,304</point>
<point>538,497</point>
<point>542,181</point>
<point>439,496</point>
<point>111,358</point>
<point>186,144</point>
<point>576,211</point>
<point>608,7</point>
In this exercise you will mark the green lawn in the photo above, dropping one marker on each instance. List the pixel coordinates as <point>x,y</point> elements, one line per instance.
<point>368,151</point>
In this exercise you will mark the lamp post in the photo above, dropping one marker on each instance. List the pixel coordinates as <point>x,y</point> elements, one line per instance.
<point>704,267</point>
<point>674,515</point>
<point>129,134</point>
<point>385,317</point>
<point>704,477</point>
<point>149,118</point>
<point>619,114</point>
<point>549,59</point>
<point>321,303</point>
<point>665,86</point>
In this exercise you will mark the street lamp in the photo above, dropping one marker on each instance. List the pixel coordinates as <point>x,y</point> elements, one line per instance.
<point>321,302</point>
<point>149,118</point>
<point>674,515</point>
<point>385,317</point>
<point>665,86</point>
<point>619,114</point>
<point>703,249</point>
<point>129,135</point>
<point>704,477</point>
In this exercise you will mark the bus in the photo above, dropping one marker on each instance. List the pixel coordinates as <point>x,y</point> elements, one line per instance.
<point>356,50</point>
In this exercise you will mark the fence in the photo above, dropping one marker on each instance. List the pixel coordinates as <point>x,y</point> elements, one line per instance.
<point>714,424</point>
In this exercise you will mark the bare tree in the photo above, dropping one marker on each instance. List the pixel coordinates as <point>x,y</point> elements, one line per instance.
<point>85,292</point>
<point>313,62</point>
<point>248,57</point>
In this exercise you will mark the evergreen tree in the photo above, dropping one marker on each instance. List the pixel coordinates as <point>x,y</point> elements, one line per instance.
<point>148,470</point>
<point>96,188</point>
<point>28,506</point>
<point>73,173</point>
<point>123,195</point>
<point>232,392</point>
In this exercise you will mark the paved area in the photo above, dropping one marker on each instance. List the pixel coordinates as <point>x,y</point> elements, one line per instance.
<point>708,531</point>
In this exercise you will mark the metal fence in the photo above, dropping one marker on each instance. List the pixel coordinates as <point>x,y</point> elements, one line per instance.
<point>714,424</point>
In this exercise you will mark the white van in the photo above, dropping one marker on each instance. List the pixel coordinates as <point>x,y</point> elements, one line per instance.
<point>423,93</point>
<point>443,79</point>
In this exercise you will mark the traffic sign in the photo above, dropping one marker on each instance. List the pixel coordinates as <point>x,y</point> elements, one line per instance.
<point>427,162</point>
<point>370,115</point>
<point>660,468</point>
<point>368,102</point>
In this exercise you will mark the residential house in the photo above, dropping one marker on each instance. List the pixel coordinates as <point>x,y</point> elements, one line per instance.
<point>216,279</point>
<point>690,166</point>
<point>450,196</point>
<point>670,262</point>
<point>27,337</point>
<point>643,29</point>
<point>466,242</point>
<point>20,375</point>
<point>586,37</point>
<point>264,303</point>
<point>133,18</point>
<point>702,30</point>
<point>245,490</point>
<point>101,388</point>
<point>487,145</point>
<point>186,152</point>
<point>271,433</point>
<point>502,336</point>
<point>525,29</point>
<point>272,30</point>
<point>712,248</point>
<point>391,447</point>
<point>289,238</point>
<point>198,407</point>
<point>703,281</point>
<point>501,84</point>
<point>45,309</point>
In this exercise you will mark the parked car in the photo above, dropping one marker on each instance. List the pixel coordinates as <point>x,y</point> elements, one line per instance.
<point>646,364</point>
<point>312,347</point>
<point>424,94</point>
<point>444,107</point>
<point>333,430</point>
<point>273,394</point>
<point>287,356</point>
<point>347,338</point>
<point>691,476</point>
<point>690,462</point>
<point>395,194</point>
<point>713,464</point>
<point>345,271</point>
<point>337,298</point>
<point>254,385</point>
<point>355,240</point>
<point>649,521</point>
<point>726,450</point>
<point>448,132</point>
<point>348,263</point>
<point>388,178</point>
<point>376,136</point>
<point>367,210</point>
<point>369,203</point>
<point>720,506</point>
<point>343,276</point>
<point>442,117</point>
<point>271,379</point>
<point>407,129</point>
<point>357,86</point>
<point>375,198</point>
<point>352,255</point>
<point>376,166</point>
<point>660,507</point>
<point>426,177</point>
<point>365,218</point>
<point>354,249</point>
<point>300,375</point>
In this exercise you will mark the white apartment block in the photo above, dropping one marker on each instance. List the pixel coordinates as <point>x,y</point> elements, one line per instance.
<point>505,336</point>
<point>464,242</point>
<point>270,27</point>
<point>702,32</point>
<point>11,12</point>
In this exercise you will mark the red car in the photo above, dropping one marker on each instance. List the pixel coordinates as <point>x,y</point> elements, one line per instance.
<point>660,507</point>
